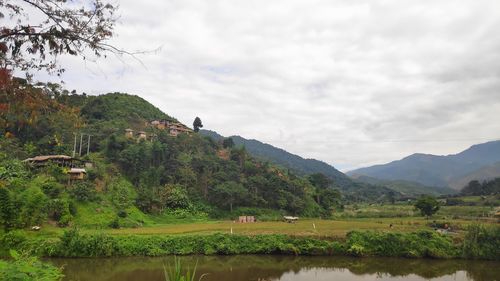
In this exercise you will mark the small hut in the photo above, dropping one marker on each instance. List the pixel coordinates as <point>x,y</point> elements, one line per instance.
<point>129,133</point>
<point>141,135</point>
<point>77,174</point>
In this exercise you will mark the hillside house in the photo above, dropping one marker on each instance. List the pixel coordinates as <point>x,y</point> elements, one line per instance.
<point>175,129</point>
<point>141,135</point>
<point>129,133</point>
<point>77,173</point>
<point>59,160</point>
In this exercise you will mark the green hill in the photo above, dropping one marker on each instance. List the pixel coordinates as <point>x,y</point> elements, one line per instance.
<point>133,181</point>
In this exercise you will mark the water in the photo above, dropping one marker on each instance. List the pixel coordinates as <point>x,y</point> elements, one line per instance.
<point>285,268</point>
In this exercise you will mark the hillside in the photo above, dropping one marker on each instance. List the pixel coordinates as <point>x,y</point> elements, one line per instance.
<point>433,170</point>
<point>286,159</point>
<point>483,174</point>
<point>352,190</point>
<point>133,179</point>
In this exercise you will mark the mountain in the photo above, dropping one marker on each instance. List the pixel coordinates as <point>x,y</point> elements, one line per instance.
<point>286,159</point>
<point>483,174</point>
<point>352,190</point>
<point>433,170</point>
<point>406,188</point>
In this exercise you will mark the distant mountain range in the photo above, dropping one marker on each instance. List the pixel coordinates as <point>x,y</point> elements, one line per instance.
<point>480,162</point>
<point>352,189</point>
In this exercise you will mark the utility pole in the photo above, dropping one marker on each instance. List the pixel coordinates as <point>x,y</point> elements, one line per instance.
<point>81,139</point>
<point>74,146</point>
<point>88,146</point>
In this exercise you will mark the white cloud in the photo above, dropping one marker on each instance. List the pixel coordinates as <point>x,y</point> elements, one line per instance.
<point>352,83</point>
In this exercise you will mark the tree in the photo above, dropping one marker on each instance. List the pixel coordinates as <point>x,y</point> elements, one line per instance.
<point>228,143</point>
<point>228,194</point>
<point>7,212</point>
<point>427,205</point>
<point>38,31</point>
<point>197,124</point>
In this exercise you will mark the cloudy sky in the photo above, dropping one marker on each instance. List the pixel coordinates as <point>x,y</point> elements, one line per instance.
<point>352,83</point>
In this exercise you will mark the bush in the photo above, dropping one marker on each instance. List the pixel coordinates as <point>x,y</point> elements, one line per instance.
<point>122,214</point>
<point>417,244</point>
<point>84,192</point>
<point>23,267</point>
<point>115,223</point>
<point>482,242</point>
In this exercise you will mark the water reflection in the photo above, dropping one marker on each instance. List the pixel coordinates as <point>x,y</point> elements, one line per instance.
<point>226,268</point>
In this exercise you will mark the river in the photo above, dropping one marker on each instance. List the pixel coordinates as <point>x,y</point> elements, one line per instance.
<point>286,268</point>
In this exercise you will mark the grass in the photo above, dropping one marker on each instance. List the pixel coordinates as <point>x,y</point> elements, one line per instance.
<point>307,227</point>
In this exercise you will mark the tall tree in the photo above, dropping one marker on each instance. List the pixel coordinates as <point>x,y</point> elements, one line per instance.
<point>197,124</point>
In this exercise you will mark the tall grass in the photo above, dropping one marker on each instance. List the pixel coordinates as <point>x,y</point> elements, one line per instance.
<point>177,272</point>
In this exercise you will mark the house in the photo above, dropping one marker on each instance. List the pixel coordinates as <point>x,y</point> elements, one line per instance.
<point>246,219</point>
<point>77,173</point>
<point>59,160</point>
<point>176,128</point>
<point>129,133</point>
<point>141,135</point>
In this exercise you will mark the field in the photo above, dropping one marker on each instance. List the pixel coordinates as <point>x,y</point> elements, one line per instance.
<point>377,217</point>
<point>306,227</point>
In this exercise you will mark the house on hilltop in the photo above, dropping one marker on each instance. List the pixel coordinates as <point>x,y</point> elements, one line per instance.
<point>174,128</point>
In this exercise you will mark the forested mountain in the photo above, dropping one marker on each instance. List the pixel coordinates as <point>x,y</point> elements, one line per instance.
<point>351,189</point>
<point>433,170</point>
<point>286,159</point>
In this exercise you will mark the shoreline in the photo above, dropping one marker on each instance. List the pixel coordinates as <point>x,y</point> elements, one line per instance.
<point>479,243</point>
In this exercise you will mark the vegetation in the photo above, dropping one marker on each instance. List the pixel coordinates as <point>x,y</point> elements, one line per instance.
<point>33,43</point>
<point>177,272</point>
<point>474,187</point>
<point>197,124</point>
<point>480,244</point>
<point>427,205</point>
<point>23,267</point>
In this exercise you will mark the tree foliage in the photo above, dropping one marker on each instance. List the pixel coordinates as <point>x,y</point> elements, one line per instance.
<point>38,31</point>
<point>197,124</point>
<point>427,205</point>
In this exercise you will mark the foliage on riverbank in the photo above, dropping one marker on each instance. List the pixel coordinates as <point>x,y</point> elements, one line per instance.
<point>479,243</point>
<point>22,267</point>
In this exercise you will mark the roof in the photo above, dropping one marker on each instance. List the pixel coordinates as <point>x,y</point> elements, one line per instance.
<point>48,157</point>
<point>77,171</point>
<point>141,132</point>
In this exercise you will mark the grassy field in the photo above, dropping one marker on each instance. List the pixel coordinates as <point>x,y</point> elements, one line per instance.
<point>403,217</point>
<point>306,227</point>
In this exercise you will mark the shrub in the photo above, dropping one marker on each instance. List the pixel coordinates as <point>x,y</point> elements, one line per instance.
<point>482,242</point>
<point>23,267</point>
<point>84,192</point>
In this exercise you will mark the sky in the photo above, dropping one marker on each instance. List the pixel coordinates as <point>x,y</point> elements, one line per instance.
<point>352,83</point>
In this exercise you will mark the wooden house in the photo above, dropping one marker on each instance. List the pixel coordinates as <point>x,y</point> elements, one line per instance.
<point>77,174</point>
<point>129,133</point>
<point>141,135</point>
<point>59,160</point>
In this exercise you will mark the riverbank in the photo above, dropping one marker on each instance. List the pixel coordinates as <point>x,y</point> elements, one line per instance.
<point>479,242</point>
